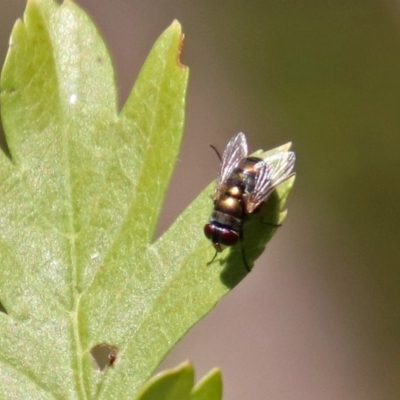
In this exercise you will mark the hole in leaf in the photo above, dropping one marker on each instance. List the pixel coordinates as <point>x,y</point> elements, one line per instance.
<point>104,355</point>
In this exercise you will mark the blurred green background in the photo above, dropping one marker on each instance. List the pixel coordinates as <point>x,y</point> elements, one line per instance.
<point>319,317</point>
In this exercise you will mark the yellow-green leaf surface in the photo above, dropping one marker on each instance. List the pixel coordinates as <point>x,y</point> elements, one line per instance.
<point>177,384</point>
<point>209,387</point>
<point>80,196</point>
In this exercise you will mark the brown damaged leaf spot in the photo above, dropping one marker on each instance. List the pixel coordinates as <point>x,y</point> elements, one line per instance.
<point>177,25</point>
<point>182,40</point>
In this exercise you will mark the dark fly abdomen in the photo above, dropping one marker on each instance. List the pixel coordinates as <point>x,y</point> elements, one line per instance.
<point>244,175</point>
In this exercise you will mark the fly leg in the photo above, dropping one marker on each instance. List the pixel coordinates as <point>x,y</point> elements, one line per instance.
<point>244,260</point>
<point>243,253</point>
<point>246,264</point>
<point>216,152</point>
<point>215,255</point>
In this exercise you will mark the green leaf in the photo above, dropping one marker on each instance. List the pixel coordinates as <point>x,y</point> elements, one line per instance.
<point>80,197</point>
<point>209,388</point>
<point>170,385</point>
<point>177,383</point>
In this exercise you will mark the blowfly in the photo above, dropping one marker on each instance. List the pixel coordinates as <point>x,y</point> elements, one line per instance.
<point>243,184</point>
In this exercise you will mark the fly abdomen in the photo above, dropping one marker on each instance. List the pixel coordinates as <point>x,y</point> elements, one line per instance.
<point>244,175</point>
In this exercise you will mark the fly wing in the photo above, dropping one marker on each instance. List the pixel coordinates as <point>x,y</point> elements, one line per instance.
<point>234,152</point>
<point>271,172</point>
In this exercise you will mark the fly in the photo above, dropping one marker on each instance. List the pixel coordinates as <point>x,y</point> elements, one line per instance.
<point>243,184</point>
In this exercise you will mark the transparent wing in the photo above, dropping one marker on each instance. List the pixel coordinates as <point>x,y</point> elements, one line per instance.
<point>271,172</point>
<point>234,152</point>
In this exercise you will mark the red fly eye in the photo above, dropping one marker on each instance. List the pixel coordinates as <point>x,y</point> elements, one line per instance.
<point>208,231</point>
<point>229,238</point>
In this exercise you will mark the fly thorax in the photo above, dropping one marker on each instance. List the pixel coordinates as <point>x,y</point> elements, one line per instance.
<point>226,220</point>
